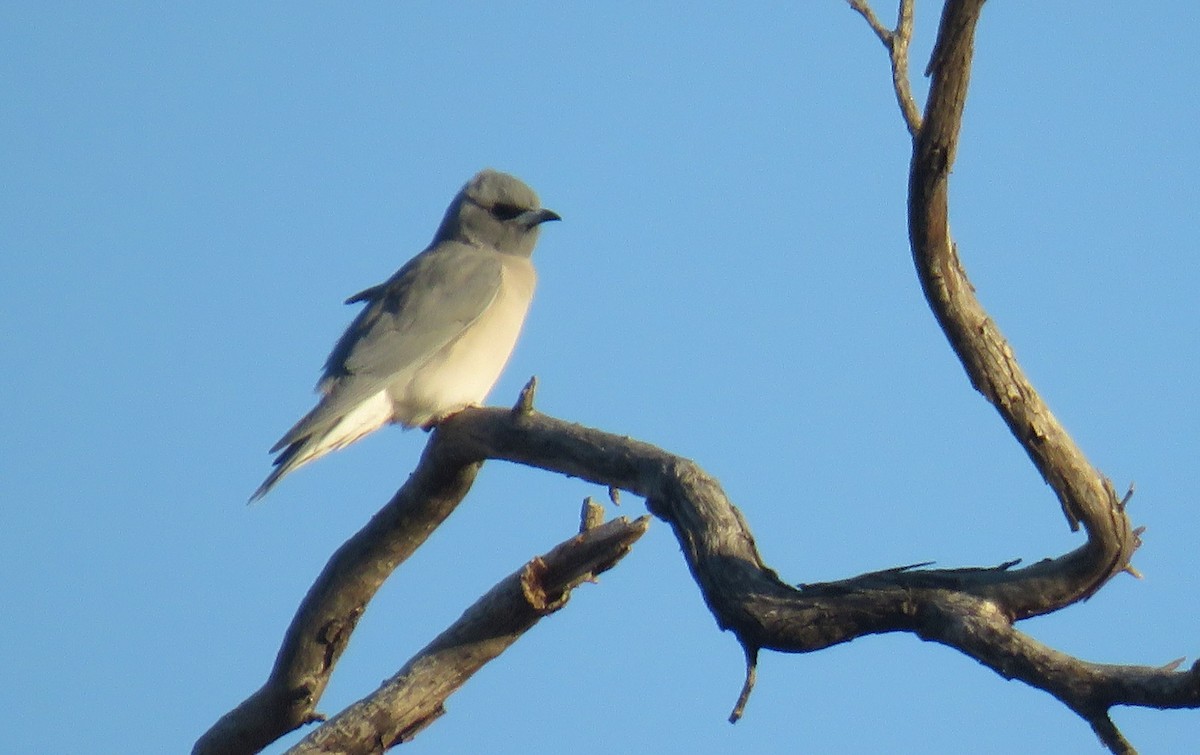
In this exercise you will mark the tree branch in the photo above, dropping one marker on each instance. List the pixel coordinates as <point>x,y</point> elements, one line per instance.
<point>896,41</point>
<point>414,697</point>
<point>1090,689</point>
<point>1085,495</point>
<point>329,612</point>
<point>744,595</point>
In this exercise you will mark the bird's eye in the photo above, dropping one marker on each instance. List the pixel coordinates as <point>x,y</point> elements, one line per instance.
<point>506,211</point>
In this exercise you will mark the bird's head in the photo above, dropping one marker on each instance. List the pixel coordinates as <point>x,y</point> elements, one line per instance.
<point>498,210</point>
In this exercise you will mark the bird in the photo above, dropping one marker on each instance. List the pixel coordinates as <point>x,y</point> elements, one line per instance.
<point>433,338</point>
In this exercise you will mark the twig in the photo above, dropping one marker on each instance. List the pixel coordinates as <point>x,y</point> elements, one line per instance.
<point>747,686</point>
<point>897,42</point>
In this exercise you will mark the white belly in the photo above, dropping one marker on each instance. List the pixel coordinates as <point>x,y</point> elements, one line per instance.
<point>462,373</point>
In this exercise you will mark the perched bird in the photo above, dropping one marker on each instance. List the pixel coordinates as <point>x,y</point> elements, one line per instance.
<point>435,336</point>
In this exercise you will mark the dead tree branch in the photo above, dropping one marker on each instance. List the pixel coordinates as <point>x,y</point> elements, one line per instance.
<point>330,611</point>
<point>414,697</point>
<point>1085,494</point>
<point>896,41</point>
<point>743,593</point>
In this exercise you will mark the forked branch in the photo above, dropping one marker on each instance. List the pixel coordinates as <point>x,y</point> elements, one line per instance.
<point>1087,497</point>
<point>896,41</point>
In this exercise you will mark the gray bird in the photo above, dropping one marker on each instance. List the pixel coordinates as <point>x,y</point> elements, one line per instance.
<point>435,336</point>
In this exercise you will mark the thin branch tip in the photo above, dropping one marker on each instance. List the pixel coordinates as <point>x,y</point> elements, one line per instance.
<point>896,42</point>
<point>592,515</point>
<point>739,707</point>
<point>1125,500</point>
<point>863,8</point>
<point>1173,665</point>
<point>524,405</point>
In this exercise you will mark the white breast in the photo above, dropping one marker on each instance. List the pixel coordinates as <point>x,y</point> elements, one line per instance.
<point>462,373</point>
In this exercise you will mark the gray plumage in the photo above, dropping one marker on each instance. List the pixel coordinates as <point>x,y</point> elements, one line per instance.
<point>435,336</point>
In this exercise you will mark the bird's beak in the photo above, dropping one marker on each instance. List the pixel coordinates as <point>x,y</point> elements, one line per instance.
<point>533,218</point>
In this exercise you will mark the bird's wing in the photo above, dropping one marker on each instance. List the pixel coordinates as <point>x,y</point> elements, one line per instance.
<point>426,305</point>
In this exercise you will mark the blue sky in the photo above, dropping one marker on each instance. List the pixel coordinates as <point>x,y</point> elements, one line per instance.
<point>191,190</point>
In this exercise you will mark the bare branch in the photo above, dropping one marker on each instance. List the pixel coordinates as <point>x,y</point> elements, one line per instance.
<point>896,41</point>
<point>406,703</point>
<point>1086,496</point>
<point>881,31</point>
<point>330,611</point>
<point>1090,689</point>
<point>739,707</point>
<point>1110,736</point>
<point>744,595</point>
<point>591,516</point>
<point>524,403</point>
<point>747,597</point>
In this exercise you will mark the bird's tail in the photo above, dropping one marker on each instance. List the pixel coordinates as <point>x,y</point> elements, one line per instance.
<point>291,458</point>
<point>323,434</point>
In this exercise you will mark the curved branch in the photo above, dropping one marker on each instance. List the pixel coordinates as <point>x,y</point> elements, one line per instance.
<point>1086,495</point>
<point>743,593</point>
